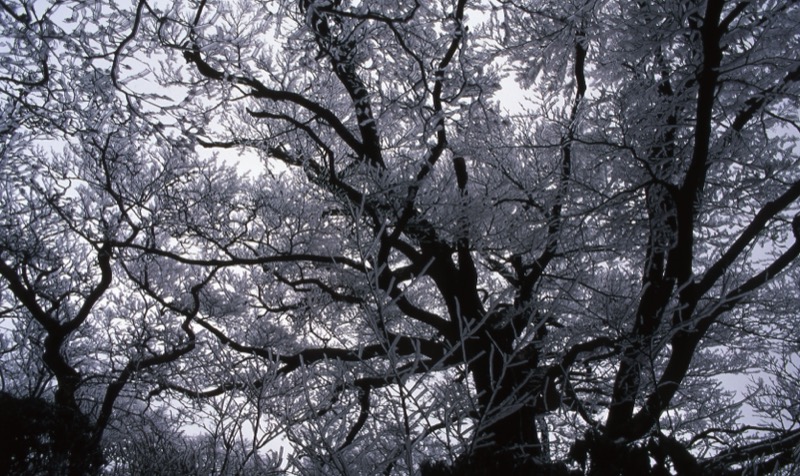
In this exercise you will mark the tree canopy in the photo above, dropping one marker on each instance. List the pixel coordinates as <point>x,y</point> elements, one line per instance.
<point>361,237</point>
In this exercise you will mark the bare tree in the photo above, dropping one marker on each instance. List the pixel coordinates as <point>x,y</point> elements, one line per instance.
<point>420,273</point>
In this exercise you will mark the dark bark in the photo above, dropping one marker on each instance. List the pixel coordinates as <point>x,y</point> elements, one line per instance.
<point>40,437</point>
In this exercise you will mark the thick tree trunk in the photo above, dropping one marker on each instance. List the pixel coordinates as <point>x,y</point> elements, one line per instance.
<point>508,441</point>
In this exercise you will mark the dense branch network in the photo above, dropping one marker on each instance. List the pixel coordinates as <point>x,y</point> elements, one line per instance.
<point>418,275</point>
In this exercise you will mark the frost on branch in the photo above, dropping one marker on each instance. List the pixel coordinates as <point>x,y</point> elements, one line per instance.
<point>324,237</point>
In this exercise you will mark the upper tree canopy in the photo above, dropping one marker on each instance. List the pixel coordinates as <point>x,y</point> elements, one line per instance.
<point>332,225</point>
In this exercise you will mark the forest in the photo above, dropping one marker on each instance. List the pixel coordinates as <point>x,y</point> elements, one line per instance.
<point>407,237</point>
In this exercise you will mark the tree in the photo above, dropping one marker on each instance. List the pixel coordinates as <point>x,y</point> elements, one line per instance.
<point>418,274</point>
<point>75,334</point>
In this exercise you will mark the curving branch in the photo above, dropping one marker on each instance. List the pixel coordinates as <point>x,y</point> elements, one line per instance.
<point>241,261</point>
<point>686,339</point>
<point>761,457</point>
<point>363,415</point>
<point>260,91</point>
<point>746,237</point>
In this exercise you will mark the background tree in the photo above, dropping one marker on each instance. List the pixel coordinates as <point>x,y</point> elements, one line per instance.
<point>76,144</point>
<point>420,274</point>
